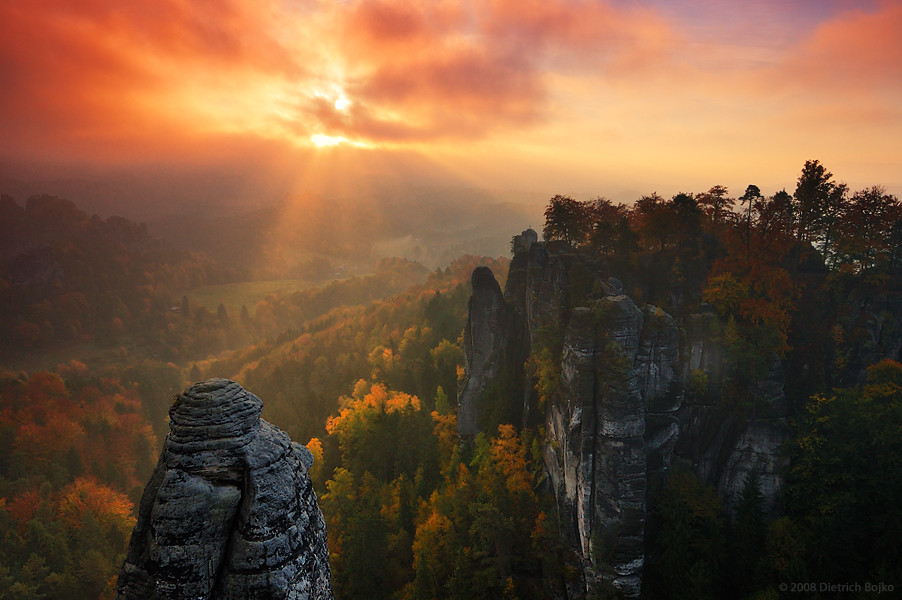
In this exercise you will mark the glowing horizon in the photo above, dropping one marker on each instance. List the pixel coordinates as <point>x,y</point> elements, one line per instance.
<point>577,96</point>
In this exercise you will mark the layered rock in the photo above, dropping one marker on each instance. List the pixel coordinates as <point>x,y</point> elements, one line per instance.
<point>230,512</point>
<point>595,447</point>
<point>626,409</point>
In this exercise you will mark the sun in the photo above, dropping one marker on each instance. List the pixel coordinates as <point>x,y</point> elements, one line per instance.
<point>333,94</point>
<point>342,103</point>
<point>322,141</point>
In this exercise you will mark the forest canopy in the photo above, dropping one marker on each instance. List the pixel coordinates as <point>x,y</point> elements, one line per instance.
<point>367,369</point>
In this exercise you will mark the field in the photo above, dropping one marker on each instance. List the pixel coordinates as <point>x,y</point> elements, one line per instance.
<point>247,293</point>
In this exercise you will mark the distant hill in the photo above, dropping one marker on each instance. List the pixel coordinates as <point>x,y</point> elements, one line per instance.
<point>69,276</point>
<point>432,226</point>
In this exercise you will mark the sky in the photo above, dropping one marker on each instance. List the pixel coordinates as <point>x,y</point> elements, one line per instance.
<point>583,97</point>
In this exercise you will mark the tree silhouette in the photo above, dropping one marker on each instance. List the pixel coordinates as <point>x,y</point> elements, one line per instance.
<point>567,219</point>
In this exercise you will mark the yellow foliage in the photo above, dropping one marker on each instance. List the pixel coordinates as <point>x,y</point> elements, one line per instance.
<point>510,456</point>
<point>445,430</point>
<point>378,398</point>
<point>316,448</point>
<point>725,293</point>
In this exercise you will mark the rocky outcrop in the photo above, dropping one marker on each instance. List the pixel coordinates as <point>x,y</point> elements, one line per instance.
<point>595,446</point>
<point>634,398</point>
<point>230,512</point>
<point>486,341</point>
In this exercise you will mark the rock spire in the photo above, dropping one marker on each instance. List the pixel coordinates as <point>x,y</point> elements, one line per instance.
<point>230,512</point>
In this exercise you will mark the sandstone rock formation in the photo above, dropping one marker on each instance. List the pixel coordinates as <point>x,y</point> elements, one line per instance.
<point>230,512</point>
<point>485,347</point>
<point>622,416</point>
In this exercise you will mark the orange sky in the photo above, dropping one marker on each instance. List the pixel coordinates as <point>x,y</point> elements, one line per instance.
<point>582,97</point>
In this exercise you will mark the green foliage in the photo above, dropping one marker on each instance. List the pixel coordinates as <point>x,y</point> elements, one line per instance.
<point>747,542</point>
<point>411,513</point>
<point>547,368</point>
<point>699,383</point>
<point>400,340</point>
<point>475,533</point>
<point>689,543</point>
<point>74,278</point>
<point>843,487</point>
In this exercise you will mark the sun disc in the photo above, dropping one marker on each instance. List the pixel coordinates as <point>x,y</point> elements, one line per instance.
<point>320,140</point>
<point>342,102</point>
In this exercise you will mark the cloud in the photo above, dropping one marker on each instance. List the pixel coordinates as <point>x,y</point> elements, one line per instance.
<point>96,76</point>
<point>855,49</point>
<point>467,70</point>
<point>177,80</point>
<point>90,76</point>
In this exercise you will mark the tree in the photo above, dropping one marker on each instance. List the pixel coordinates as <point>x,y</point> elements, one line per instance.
<point>866,230</point>
<point>610,227</point>
<point>818,201</point>
<point>844,485</point>
<point>750,198</point>
<point>687,218</point>
<point>716,203</point>
<point>653,216</point>
<point>748,540</point>
<point>222,315</point>
<point>690,542</point>
<point>770,227</point>
<point>567,219</point>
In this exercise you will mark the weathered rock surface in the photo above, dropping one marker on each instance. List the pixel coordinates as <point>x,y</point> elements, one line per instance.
<point>595,447</point>
<point>485,348</point>
<point>230,512</point>
<point>624,414</point>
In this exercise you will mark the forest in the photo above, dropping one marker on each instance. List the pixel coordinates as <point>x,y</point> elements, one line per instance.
<point>98,335</point>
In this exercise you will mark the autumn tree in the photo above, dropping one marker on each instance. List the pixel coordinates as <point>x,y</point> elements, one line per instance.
<point>869,230</point>
<point>716,204</point>
<point>818,204</point>
<point>653,220</point>
<point>611,233</point>
<point>567,219</point>
<point>775,225</point>
<point>686,220</point>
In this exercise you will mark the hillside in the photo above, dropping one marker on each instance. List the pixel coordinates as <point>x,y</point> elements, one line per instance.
<point>688,397</point>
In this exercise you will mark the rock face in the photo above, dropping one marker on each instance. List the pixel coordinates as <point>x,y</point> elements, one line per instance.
<point>595,451</point>
<point>230,512</point>
<point>625,411</point>
<point>485,348</point>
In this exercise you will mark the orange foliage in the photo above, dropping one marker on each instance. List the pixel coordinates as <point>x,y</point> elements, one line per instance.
<point>101,428</point>
<point>379,398</point>
<point>86,495</point>
<point>24,506</point>
<point>433,540</point>
<point>44,442</point>
<point>445,430</point>
<point>509,456</point>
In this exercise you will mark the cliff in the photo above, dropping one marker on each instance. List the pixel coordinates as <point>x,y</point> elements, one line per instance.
<point>625,407</point>
<point>230,512</point>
